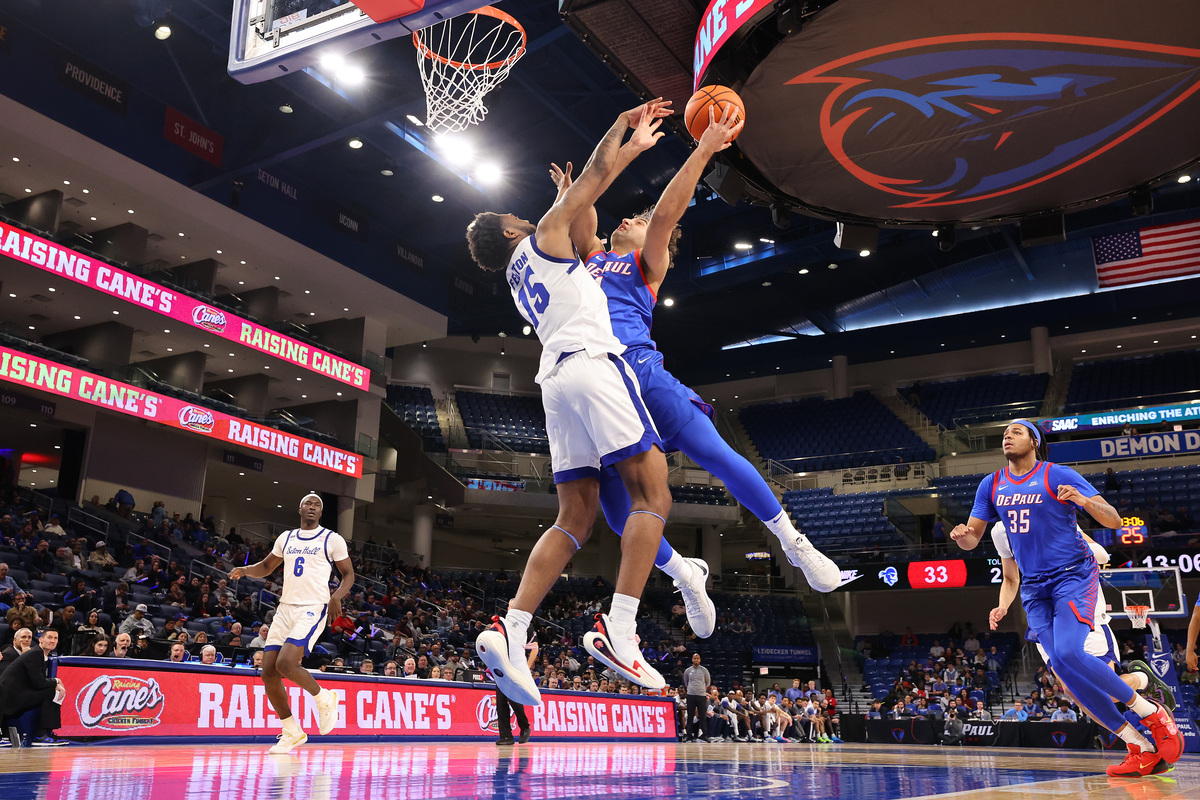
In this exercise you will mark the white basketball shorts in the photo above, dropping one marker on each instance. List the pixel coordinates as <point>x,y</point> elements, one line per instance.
<point>594,416</point>
<point>1100,643</point>
<point>298,625</point>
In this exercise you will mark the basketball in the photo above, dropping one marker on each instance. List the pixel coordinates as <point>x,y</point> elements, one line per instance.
<point>695,115</point>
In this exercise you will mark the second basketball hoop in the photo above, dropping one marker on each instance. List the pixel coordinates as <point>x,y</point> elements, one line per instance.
<point>461,60</point>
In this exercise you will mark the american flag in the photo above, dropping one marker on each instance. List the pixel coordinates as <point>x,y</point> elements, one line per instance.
<point>1149,254</point>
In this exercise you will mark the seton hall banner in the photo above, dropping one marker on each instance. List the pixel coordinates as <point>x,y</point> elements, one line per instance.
<point>134,698</point>
<point>50,257</point>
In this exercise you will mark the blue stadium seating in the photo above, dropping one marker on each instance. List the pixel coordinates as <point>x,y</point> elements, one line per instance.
<point>414,404</point>
<point>880,673</point>
<point>519,423</point>
<point>816,434</point>
<point>844,522</point>
<point>701,495</point>
<point>985,398</point>
<point>1137,380</point>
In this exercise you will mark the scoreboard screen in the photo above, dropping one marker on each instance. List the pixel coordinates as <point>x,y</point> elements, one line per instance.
<point>949,573</point>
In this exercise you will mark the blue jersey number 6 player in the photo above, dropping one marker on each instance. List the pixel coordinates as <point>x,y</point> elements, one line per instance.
<point>1037,502</point>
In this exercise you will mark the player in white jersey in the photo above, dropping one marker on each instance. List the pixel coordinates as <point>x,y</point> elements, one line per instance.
<point>308,555</point>
<point>1101,642</point>
<point>594,417</point>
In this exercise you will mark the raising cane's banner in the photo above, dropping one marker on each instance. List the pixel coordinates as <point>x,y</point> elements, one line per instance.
<point>75,384</point>
<point>50,257</point>
<point>148,698</point>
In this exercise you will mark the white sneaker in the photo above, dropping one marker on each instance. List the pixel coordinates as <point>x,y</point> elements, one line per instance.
<point>327,711</point>
<point>822,574</point>
<point>287,743</point>
<point>621,654</point>
<point>701,613</point>
<point>507,665</point>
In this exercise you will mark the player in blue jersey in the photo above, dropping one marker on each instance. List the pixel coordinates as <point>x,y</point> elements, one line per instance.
<point>1037,502</point>
<point>595,418</point>
<point>630,273</point>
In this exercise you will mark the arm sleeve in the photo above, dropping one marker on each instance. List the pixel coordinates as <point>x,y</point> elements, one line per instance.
<point>338,551</point>
<point>1000,539</point>
<point>983,508</point>
<point>1060,475</point>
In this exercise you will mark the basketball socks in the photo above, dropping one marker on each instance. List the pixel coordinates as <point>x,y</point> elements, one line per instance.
<point>1142,681</point>
<point>1131,736</point>
<point>1141,706</point>
<point>781,526</point>
<point>517,623</point>
<point>291,727</point>
<point>678,567</point>
<point>622,616</point>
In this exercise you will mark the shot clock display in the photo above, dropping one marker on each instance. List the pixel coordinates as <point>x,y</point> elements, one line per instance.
<point>1132,533</point>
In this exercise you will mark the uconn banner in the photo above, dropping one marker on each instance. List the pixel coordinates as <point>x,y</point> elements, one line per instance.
<point>136,698</point>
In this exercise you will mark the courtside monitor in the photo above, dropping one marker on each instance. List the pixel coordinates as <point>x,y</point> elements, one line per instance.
<point>271,38</point>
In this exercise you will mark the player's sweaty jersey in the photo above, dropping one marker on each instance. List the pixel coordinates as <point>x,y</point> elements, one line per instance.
<point>1042,529</point>
<point>567,308</point>
<point>308,558</point>
<point>630,299</point>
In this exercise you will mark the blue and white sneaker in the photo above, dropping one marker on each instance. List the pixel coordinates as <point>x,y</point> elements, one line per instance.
<point>506,664</point>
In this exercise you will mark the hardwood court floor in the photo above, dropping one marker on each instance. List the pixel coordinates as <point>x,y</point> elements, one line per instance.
<point>561,771</point>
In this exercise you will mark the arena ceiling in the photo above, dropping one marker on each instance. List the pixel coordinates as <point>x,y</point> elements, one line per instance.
<point>295,172</point>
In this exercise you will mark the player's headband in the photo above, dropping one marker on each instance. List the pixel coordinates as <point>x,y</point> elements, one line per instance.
<point>1033,431</point>
<point>312,494</point>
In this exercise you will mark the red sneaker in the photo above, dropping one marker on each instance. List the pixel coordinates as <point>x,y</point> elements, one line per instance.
<point>1167,737</point>
<point>1137,764</point>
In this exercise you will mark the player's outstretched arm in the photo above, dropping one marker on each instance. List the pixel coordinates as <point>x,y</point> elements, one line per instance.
<point>1008,591</point>
<point>675,198</point>
<point>335,600</point>
<point>262,569</point>
<point>967,536</point>
<point>553,230</point>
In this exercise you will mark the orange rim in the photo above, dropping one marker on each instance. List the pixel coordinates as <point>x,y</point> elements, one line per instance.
<point>486,11</point>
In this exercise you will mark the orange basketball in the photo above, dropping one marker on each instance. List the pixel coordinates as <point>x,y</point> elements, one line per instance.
<point>695,115</point>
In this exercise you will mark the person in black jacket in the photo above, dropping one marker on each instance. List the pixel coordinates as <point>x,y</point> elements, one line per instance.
<point>24,686</point>
<point>22,641</point>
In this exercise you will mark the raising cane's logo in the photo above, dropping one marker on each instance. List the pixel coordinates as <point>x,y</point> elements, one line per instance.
<point>196,419</point>
<point>120,703</point>
<point>485,715</point>
<point>210,318</point>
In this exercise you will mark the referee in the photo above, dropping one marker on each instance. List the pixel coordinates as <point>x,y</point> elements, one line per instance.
<point>696,681</point>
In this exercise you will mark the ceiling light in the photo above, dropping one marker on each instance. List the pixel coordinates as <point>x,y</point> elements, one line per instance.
<point>351,75</point>
<point>87,191</point>
<point>298,378</point>
<point>355,143</point>
<point>456,149</point>
<point>276,277</point>
<point>162,31</point>
<point>53,289</point>
<point>1119,347</point>
<point>231,355</point>
<point>266,367</point>
<point>16,159</point>
<point>130,210</point>
<point>78,317</point>
<point>339,394</point>
<point>312,313</point>
<point>742,246</point>
<point>501,351</point>
<point>286,108</point>
<point>502,334</point>
<point>333,61</point>
<point>766,241</point>
<point>766,284</point>
<point>833,266</point>
<point>219,252</point>
<point>66,183</point>
<point>303,397</point>
<point>668,301</point>
<point>12,294</point>
<point>437,198</point>
<point>93,219</point>
<point>181,233</point>
<point>243,263</point>
<point>241,283</point>
<point>58,447</point>
<point>170,349</point>
<point>345,309</point>
<point>279,506</point>
<point>804,271</point>
<point>206,345</point>
<point>166,330</point>
<point>414,120</point>
<point>307,291</point>
<point>864,253</point>
<point>387,170</point>
<point>1183,178</point>
<point>488,173</point>
<point>29,191</point>
<point>231,370</point>
<point>1155,341</point>
<point>1083,351</point>
<point>117,313</point>
<point>526,330</point>
<point>32,328</point>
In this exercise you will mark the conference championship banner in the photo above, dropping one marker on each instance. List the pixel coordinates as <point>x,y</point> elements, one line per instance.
<point>50,257</point>
<point>75,384</point>
<point>210,704</point>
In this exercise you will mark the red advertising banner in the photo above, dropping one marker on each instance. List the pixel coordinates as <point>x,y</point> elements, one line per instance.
<point>125,698</point>
<point>114,282</point>
<point>722,18</point>
<point>198,140</point>
<point>75,384</point>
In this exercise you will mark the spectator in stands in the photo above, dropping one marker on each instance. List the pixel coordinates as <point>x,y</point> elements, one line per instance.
<point>53,528</point>
<point>81,596</point>
<point>410,668</point>
<point>971,644</point>
<point>124,502</point>
<point>89,629</point>
<point>8,587</point>
<point>137,621</point>
<point>22,641</point>
<point>116,605</point>
<point>100,558</point>
<point>235,632</point>
<point>260,641</point>
<point>244,612</point>
<point>1033,705</point>
<point>367,667</point>
<point>27,538</point>
<point>1017,712</point>
<point>21,614</point>
<point>178,654</point>
<point>1064,713</point>
<point>171,627</point>
<point>100,647</point>
<point>391,669</point>
<point>937,651</point>
<point>121,646</point>
<point>876,710</point>
<point>908,638</point>
<point>24,686</point>
<point>40,562</point>
<point>208,655</point>
<point>950,673</point>
<point>64,622</point>
<point>1111,484</point>
<point>795,692</point>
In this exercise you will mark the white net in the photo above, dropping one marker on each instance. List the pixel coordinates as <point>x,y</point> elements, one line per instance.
<point>1138,615</point>
<point>462,59</point>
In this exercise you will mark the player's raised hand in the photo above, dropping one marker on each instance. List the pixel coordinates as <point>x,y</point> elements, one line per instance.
<point>720,132</point>
<point>1069,494</point>
<point>646,134</point>
<point>998,613</point>
<point>561,176</point>
<point>652,109</point>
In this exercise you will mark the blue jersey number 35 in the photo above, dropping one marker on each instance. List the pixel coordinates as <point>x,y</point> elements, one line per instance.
<point>533,297</point>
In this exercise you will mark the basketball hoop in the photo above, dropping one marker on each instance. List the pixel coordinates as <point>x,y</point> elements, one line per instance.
<point>1138,615</point>
<point>462,59</point>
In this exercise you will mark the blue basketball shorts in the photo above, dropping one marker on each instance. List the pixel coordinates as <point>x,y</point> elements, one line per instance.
<point>1070,592</point>
<point>671,404</point>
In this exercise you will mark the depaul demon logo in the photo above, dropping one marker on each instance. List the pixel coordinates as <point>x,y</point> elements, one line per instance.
<point>952,120</point>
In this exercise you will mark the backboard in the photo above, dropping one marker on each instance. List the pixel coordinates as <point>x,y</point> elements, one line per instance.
<point>271,38</point>
<point>1160,588</point>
